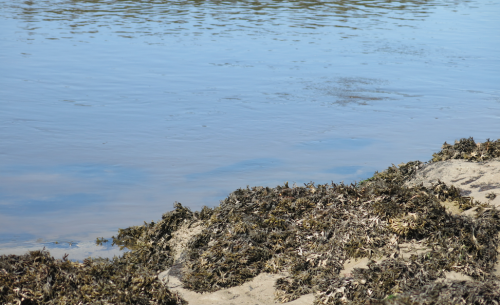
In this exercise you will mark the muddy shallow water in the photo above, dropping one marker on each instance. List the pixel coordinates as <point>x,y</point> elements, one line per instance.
<point>112,110</point>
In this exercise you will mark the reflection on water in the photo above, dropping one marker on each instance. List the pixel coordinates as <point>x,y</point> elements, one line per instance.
<point>133,19</point>
<point>40,190</point>
<point>113,110</point>
<point>149,10</point>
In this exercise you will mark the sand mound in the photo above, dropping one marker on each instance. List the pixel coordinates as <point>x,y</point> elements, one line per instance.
<point>478,180</point>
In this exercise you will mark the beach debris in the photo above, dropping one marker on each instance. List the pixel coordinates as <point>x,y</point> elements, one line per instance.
<point>101,241</point>
<point>491,196</point>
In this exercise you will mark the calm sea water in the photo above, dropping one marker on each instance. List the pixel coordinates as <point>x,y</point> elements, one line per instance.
<point>110,111</point>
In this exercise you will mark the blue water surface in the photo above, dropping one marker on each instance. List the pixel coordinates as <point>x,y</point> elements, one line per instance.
<point>110,111</point>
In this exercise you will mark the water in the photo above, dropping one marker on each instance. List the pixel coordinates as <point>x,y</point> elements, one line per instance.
<point>110,111</point>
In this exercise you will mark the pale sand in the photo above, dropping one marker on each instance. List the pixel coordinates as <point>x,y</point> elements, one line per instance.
<point>259,291</point>
<point>473,179</point>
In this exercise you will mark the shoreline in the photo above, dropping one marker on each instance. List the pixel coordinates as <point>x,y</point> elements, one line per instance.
<point>407,234</point>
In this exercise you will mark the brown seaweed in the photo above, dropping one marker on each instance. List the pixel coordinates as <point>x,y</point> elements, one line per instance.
<point>451,293</point>
<point>310,232</point>
<point>38,278</point>
<point>468,149</point>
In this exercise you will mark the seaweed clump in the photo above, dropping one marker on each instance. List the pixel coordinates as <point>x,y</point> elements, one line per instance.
<point>149,243</point>
<point>400,175</point>
<point>451,293</point>
<point>38,278</point>
<point>469,150</point>
<point>310,232</point>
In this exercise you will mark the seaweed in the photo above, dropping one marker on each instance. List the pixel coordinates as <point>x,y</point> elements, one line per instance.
<point>100,241</point>
<point>468,149</point>
<point>309,232</point>
<point>397,174</point>
<point>38,278</point>
<point>451,293</point>
<point>491,196</point>
<point>149,243</point>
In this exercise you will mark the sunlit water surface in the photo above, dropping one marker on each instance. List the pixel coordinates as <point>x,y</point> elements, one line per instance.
<point>110,111</point>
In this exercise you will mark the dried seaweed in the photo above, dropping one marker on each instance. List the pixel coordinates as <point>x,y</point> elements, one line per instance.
<point>309,232</point>
<point>469,150</point>
<point>491,196</point>
<point>397,174</point>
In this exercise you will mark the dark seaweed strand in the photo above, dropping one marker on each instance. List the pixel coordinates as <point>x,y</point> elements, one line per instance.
<point>451,293</point>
